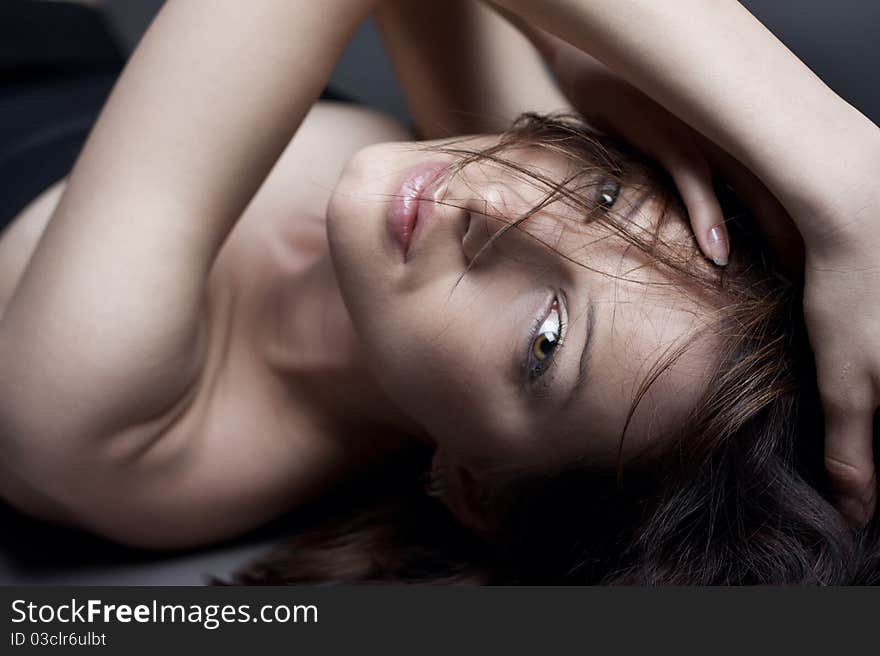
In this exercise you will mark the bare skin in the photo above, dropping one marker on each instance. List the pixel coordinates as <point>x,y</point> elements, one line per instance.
<point>270,377</point>
<point>307,380</point>
<point>296,442</point>
<point>278,238</point>
<point>195,400</point>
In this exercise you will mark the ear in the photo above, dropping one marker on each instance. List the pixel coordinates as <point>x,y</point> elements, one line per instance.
<point>461,492</point>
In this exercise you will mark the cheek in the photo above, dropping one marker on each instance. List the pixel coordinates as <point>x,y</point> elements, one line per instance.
<point>446,369</point>
<point>429,370</point>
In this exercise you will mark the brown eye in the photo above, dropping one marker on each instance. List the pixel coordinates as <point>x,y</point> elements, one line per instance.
<point>608,193</point>
<point>544,345</point>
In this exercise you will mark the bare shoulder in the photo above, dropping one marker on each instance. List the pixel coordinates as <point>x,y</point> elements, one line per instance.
<point>237,450</point>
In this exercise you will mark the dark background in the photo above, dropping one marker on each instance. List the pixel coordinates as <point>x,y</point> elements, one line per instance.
<point>839,40</point>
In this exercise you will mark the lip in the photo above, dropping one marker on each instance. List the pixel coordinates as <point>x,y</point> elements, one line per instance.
<point>404,214</point>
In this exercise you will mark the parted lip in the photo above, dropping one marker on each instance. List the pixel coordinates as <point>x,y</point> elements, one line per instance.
<point>404,211</point>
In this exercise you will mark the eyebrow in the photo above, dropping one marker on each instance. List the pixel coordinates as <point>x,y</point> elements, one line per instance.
<point>585,353</point>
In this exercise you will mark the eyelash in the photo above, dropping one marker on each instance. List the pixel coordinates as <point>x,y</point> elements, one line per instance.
<point>611,189</point>
<point>542,366</point>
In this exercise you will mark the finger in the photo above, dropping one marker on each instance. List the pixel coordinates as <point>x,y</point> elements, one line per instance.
<point>694,182</point>
<point>849,460</point>
<point>774,221</point>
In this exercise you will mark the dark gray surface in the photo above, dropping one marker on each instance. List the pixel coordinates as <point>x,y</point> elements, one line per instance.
<point>37,553</point>
<point>839,40</point>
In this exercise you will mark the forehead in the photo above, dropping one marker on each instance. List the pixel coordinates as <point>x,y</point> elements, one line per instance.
<point>655,345</point>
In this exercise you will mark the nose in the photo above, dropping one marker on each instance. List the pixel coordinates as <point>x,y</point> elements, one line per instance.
<point>476,235</point>
<point>441,223</point>
<point>486,216</point>
<point>527,239</point>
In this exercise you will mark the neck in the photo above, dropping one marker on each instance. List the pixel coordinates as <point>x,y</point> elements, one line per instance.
<point>310,343</point>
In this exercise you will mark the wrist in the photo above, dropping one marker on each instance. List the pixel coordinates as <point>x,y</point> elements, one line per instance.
<point>840,200</point>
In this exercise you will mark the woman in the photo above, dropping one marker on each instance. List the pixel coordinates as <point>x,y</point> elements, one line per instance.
<point>540,302</point>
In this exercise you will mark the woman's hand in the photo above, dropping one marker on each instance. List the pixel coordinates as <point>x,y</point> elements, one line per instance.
<point>617,108</point>
<point>840,304</point>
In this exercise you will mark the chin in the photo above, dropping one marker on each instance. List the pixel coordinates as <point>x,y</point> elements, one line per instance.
<point>358,207</point>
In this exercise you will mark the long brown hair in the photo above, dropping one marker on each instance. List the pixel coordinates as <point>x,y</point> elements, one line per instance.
<point>736,495</point>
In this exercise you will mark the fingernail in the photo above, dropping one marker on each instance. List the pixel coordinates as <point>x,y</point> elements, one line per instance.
<point>719,245</point>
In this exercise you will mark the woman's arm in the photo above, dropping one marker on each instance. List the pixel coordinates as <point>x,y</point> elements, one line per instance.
<point>104,337</point>
<point>105,329</point>
<point>717,67</point>
<point>714,65</point>
<point>462,67</point>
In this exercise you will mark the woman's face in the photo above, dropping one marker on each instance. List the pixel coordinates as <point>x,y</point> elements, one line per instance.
<point>535,354</point>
